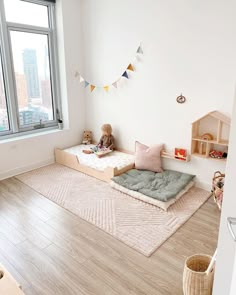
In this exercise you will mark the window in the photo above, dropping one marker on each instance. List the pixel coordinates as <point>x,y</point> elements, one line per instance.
<point>4,122</point>
<point>29,96</point>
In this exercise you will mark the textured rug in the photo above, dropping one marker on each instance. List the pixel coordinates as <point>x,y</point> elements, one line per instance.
<point>141,226</point>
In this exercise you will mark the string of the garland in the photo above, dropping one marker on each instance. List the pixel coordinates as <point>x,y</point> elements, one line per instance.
<point>115,83</point>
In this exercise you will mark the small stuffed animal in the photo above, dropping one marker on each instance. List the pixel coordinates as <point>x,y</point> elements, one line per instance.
<point>87,137</point>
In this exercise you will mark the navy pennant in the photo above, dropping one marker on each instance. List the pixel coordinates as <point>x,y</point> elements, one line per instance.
<point>125,75</point>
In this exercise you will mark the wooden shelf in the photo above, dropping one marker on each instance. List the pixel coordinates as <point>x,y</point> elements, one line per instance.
<point>164,154</point>
<point>222,142</point>
<point>167,155</point>
<point>200,155</point>
<point>210,133</point>
<point>209,158</point>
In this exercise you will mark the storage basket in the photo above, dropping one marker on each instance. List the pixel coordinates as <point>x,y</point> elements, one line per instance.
<point>196,281</point>
<point>218,188</point>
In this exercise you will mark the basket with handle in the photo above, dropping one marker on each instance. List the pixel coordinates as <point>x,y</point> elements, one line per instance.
<point>218,188</point>
<point>198,274</point>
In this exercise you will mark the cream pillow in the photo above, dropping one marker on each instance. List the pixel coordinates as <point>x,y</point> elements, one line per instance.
<point>148,158</point>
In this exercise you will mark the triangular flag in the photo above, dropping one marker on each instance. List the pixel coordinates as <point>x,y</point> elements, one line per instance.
<point>114,84</point>
<point>130,68</point>
<point>125,75</point>
<point>86,84</point>
<point>106,88</point>
<point>92,87</point>
<point>81,79</point>
<point>140,50</point>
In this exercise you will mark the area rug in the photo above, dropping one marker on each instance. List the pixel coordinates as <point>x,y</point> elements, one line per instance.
<point>139,225</point>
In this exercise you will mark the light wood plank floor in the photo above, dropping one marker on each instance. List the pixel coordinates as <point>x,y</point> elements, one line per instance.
<point>51,251</point>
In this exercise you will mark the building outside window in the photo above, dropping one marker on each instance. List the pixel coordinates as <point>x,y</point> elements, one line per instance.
<point>29,94</point>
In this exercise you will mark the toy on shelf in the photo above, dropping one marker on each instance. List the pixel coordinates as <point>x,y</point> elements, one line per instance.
<point>178,155</point>
<point>218,154</point>
<point>87,137</point>
<point>207,136</point>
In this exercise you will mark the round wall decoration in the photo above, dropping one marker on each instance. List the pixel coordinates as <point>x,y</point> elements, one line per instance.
<point>181,99</point>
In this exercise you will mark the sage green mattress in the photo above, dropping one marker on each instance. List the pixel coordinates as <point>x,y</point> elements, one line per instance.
<point>160,186</point>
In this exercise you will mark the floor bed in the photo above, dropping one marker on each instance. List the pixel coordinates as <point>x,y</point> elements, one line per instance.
<point>159,189</point>
<point>104,168</point>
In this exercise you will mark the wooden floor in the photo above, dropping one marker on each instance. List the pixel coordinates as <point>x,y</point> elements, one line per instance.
<point>51,251</point>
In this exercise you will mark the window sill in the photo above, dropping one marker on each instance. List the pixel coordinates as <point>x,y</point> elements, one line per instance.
<point>27,135</point>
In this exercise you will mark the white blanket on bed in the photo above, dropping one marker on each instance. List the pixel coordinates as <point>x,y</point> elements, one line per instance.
<point>114,159</point>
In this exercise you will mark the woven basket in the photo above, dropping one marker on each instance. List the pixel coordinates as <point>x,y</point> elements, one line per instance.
<point>195,279</point>
<point>218,188</point>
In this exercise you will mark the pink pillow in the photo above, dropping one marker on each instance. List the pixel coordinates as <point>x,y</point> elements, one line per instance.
<point>148,158</point>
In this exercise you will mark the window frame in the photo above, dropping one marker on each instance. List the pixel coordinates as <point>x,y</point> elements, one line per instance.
<point>4,89</point>
<point>15,129</point>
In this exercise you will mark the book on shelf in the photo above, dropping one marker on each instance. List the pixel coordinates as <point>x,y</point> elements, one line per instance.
<point>180,154</point>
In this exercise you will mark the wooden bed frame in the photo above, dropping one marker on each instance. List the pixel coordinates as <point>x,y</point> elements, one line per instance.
<point>8,284</point>
<point>67,159</point>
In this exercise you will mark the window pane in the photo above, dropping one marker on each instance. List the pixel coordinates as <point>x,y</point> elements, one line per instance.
<point>4,123</point>
<point>32,74</point>
<point>18,11</point>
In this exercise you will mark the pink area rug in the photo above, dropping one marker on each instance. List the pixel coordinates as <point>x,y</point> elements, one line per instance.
<point>139,225</point>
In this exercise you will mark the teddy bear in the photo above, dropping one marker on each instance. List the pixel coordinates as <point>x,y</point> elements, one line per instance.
<point>87,137</point>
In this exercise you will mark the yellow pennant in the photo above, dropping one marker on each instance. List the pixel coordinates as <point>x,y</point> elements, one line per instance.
<point>130,67</point>
<point>106,88</point>
<point>92,87</point>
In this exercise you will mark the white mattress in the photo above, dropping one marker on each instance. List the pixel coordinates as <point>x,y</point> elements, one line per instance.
<point>149,200</point>
<point>114,159</point>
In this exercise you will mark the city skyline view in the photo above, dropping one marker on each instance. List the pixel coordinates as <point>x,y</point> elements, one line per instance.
<point>31,68</point>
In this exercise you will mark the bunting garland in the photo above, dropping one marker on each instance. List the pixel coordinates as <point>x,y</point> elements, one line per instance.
<point>92,87</point>
<point>130,68</point>
<point>114,84</point>
<point>106,88</point>
<point>125,75</point>
<point>140,50</point>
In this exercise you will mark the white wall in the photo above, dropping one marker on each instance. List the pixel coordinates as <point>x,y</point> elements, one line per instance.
<point>233,285</point>
<point>226,256</point>
<point>26,153</point>
<point>189,47</point>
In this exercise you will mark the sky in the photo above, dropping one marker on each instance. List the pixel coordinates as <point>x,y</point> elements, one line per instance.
<point>26,13</point>
<point>33,14</point>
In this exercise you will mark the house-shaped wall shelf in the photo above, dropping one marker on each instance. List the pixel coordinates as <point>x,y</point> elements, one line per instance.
<point>209,133</point>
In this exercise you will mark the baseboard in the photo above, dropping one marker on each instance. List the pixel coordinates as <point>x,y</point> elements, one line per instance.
<point>204,185</point>
<point>19,170</point>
